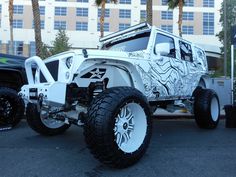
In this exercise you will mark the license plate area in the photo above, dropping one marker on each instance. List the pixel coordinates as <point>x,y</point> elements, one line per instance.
<point>33,93</point>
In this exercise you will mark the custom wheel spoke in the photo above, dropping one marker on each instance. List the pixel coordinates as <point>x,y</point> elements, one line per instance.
<point>119,139</point>
<point>131,127</point>
<point>126,137</point>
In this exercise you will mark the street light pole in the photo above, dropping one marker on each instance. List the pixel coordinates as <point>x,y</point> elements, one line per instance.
<point>225,38</point>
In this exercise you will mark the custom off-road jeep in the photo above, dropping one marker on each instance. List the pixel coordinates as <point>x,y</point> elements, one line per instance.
<point>12,78</point>
<point>113,91</point>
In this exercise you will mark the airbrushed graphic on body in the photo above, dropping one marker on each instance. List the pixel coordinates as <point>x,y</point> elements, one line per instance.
<point>113,91</point>
<point>165,73</point>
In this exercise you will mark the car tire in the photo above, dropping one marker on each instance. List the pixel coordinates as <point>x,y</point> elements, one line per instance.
<point>206,108</point>
<point>44,126</point>
<point>118,128</point>
<point>11,107</point>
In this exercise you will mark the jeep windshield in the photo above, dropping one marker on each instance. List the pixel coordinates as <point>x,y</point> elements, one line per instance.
<point>130,44</point>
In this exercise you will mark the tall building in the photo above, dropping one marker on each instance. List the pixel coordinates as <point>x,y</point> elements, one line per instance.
<point>80,19</point>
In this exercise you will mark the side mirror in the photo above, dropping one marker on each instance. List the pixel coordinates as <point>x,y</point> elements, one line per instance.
<point>163,49</point>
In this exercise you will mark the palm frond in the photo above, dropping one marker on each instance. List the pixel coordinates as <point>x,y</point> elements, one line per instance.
<point>98,2</point>
<point>114,1</point>
<point>173,3</point>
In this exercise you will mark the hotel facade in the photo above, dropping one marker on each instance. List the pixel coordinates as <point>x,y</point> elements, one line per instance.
<point>80,19</point>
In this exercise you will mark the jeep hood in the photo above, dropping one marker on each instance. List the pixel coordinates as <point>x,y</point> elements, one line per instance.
<point>100,54</point>
<point>109,54</point>
<point>11,61</point>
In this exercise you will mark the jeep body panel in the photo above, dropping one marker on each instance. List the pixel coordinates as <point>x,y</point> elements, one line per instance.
<point>159,76</point>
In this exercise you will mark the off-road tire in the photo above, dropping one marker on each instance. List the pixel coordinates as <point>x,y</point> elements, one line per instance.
<point>10,101</point>
<point>35,122</point>
<point>206,108</point>
<point>100,126</point>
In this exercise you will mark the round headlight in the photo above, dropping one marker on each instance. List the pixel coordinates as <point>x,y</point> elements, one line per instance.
<point>69,61</point>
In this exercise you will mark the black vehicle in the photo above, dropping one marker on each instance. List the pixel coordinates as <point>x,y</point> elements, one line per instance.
<point>12,77</point>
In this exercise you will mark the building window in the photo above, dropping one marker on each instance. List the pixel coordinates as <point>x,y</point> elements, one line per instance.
<point>60,11</point>
<point>208,23</point>
<point>208,3</point>
<point>42,10</point>
<point>82,0</point>
<point>81,26</point>
<point>17,24</point>
<point>107,13</point>
<point>143,2</point>
<point>168,28</point>
<point>59,25</point>
<point>164,2</point>
<point>189,3</point>
<point>32,51</point>
<point>83,12</point>
<point>42,24</point>
<point>166,15</point>
<point>125,1</point>
<point>123,26</point>
<point>188,16</point>
<point>17,47</point>
<point>106,27</point>
<point>143,14</point>
<point>123,13</point>
<point>187,29</point>
<point>18,9</point>
<point>0,8</point>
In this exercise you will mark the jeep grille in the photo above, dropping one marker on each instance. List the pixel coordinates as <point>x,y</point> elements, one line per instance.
<point>53,69</point>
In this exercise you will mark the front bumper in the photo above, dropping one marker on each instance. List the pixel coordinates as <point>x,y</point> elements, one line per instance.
<point>48,93</point>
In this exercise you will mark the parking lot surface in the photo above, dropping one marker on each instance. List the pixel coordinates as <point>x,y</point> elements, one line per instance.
<point>178,148</point>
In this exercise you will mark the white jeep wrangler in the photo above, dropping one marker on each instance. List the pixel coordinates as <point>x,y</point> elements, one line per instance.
<point>113,91</point>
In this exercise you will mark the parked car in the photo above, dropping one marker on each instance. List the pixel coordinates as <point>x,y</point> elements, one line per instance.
<point>113,91</point>
<point>12,78</point>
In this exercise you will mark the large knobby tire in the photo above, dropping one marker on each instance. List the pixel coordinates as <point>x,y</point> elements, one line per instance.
<point>44,125</point>
<point>206,108</point>
<point>118,128</point>
<point>11,107</point>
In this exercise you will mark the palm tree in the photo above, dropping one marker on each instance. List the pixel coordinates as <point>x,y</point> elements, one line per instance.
<point>149,11</point>
<point>37,27</point>
<point>102,3</point>
<point>10,9</point>
<point>178,3</point>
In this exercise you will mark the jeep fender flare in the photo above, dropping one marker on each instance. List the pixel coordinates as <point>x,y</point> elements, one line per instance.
<point>129,67</point>
<point>204,81</point>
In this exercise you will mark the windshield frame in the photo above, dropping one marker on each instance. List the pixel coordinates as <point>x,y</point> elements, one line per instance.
<point>123,39</point>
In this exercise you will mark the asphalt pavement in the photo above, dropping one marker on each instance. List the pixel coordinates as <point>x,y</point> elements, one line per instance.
<point>178,148</point>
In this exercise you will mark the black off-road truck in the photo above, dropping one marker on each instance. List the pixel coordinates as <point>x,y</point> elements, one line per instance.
<point>12,77</point>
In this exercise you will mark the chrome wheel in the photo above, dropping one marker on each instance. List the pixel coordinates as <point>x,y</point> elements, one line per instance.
<point>130,127</point>
<point>50,122</point>
<point>214,109</point>
<point>6,111</point>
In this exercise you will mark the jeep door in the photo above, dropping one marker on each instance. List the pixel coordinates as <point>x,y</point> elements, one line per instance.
<point>193,66</point>
<point>167,69</point>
